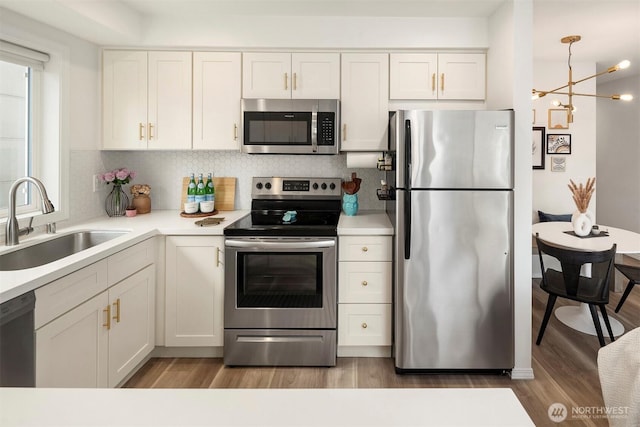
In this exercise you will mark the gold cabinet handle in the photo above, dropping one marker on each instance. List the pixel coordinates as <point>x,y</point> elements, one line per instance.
<point>365,249</point>
<point>433,82</point>
<point>140,132</point>
<point>217,257</point>
<point>235,132</point>
<point>150,131</point>
<point>364,283</point>
<point>295,81</point>
<point>107,311</point>
<point>117,307</point>
<point>344,132</point>
<point>286,80</point>
<point>364,325</point>
<point>442,82</point>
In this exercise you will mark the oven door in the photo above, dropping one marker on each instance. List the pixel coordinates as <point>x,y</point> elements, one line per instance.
<point>280,283</point>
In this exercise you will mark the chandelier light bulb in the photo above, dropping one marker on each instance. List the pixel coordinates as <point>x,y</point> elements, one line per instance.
<point>556,103</point>
<point>626,97</point>
<point>623,64</point>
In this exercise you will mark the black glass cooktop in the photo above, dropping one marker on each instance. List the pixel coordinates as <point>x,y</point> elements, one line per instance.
<point>288,218</point>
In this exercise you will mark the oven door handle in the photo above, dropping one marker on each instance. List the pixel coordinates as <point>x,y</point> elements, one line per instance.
<point>261,244</point>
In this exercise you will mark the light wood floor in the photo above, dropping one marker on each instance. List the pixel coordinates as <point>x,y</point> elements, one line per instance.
<point>564,366</point>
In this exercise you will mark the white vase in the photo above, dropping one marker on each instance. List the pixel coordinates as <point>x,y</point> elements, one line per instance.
<point>582,223</point>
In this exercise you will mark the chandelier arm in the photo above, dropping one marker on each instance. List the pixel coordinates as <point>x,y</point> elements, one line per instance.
<point>590,77</point>
<point>586,94</point>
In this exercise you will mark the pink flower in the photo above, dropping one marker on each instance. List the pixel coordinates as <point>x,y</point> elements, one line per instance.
<point>108,177</point>
<point>122,174</point>
<point>132,174</point>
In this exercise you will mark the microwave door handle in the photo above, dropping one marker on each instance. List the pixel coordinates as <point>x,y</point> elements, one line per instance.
<point>314,130</point>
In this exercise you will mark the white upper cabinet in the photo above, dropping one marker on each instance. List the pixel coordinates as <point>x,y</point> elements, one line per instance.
<point>451,76</point>
<point>147,100</point>
<point>291,75</point>
<point>216,100</point>
<point>365,101</point>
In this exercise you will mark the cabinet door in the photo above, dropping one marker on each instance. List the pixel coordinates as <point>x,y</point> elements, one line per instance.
<point>194,291</point>
<point>315,75</point>
<point>266,75</point>
<point>216,100</point>
<point>71,351</point>
<point>365,99</point>
<point>413,76</point>
<point>462,76</point>
<point>131,337</point>
<point>124,75</point>
<point>169,124</point>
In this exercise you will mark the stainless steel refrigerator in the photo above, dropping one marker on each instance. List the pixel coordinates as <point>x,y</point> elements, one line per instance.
<point>453,219</point>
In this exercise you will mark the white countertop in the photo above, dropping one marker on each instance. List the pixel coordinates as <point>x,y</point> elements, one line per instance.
<point>262,407</point>
<point>365,223</point>
<point>140,227</point>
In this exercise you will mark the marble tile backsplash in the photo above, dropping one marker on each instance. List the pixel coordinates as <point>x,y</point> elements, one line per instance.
<point>163,171</point>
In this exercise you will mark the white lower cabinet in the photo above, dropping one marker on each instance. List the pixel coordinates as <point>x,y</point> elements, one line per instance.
<point>96,342</point>
<point>364,296</point>
<point>194,291</point>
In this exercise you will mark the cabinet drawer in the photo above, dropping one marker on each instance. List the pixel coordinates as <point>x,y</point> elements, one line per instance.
<point>365,248</point>
<point>60,296</point>
<point>364,324</point>
<point>128,261</point>
<point>365,282</point>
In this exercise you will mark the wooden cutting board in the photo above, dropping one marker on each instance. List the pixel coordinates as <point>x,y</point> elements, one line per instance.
<point>225,188</point>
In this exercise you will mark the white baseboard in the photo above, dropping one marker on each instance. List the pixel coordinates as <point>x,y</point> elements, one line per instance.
<point>187,352</point>
<point>522,374</point>
<point>364,351</point>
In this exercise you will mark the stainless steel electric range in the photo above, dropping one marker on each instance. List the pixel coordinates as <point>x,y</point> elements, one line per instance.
<point>280,275</point>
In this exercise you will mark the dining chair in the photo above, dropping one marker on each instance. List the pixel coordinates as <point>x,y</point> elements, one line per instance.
<point>570,284</point>
<point>632,273</point>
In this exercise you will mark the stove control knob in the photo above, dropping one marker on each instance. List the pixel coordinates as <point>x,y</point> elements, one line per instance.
<point>324,186</point>
<point>267,186</point>
<point>259,186</point>
<point>315,185</point>
<point>332,186</point>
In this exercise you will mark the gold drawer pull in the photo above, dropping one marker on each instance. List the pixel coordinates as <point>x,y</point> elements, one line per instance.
<point>235,132</point>
<point>150,131</point>
<point>364,283</point>
<point>286,79</point>
<point>117,306</point>
<point>344,132</point>
<point>433,82</point>
<point>295,81</point>
<point>365,249</point>
<point>140,134</point>
<point>442,82</point>
<point>364,325</point>
<point>107,310</point>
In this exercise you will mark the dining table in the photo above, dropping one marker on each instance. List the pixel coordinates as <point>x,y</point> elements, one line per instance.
<point>561,233</point>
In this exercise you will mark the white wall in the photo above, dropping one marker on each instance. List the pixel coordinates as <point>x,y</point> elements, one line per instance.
<point>550,191</point>
<point>618,151</point>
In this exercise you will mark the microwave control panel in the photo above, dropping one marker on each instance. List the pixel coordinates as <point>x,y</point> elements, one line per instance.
<point>326,128</point>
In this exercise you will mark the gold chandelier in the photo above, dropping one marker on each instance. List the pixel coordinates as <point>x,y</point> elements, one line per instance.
<point>570,91</point>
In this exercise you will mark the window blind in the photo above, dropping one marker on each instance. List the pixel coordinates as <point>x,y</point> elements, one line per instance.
<point>11,52</point>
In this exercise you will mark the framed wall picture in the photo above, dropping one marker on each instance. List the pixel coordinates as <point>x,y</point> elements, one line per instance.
<point>558,118</point>
<point>558,143</point>
<point>558,164</point>
<point>537,148</point>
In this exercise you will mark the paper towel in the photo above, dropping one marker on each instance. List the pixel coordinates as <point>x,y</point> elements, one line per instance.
<point>363,160</point>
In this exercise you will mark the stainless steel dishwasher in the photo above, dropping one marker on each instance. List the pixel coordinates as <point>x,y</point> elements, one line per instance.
<point>17,342</point>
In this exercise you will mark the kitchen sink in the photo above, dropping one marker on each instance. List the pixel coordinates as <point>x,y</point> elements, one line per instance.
<point>54,249</point>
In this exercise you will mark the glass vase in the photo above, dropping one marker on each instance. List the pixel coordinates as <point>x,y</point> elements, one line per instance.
<point>116,202</point>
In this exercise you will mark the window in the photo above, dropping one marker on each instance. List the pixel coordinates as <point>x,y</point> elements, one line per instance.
<point>16,119</point>
<point>21,83</point>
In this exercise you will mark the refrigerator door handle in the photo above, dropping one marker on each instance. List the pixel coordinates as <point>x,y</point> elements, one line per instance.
<point>407,154</point>
<point>407,224</point>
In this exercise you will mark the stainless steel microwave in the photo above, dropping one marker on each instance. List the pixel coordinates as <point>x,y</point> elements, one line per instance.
<point>290,126</point>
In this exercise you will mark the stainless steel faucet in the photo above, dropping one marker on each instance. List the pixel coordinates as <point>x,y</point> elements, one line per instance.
<point>13,231</point>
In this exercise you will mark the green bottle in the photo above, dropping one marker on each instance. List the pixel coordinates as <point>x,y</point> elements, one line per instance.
<point>191,189</point>
<point>209,190</point>
<point>200,190</point>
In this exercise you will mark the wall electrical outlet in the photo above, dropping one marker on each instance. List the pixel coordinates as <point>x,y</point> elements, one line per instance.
<point>97,184</point>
